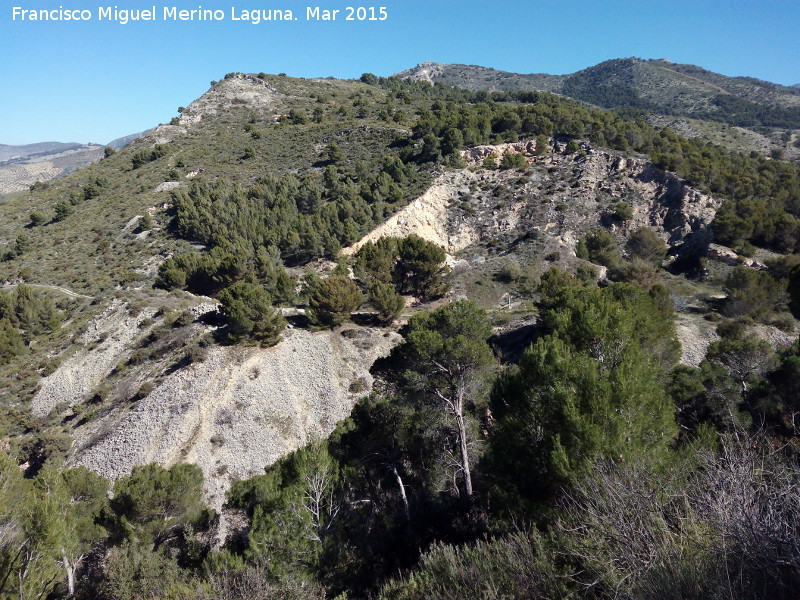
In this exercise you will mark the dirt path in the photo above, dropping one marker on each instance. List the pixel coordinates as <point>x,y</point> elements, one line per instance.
<point>57,288</point>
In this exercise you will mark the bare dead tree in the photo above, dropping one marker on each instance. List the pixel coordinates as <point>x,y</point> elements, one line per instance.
<point>730,529</point>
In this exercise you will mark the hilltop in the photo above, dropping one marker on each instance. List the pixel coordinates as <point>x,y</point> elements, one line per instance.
<point>657,87</point>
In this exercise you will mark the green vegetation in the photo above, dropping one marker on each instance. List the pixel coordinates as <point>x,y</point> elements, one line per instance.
<point>248,308</point>
<point>513,160</point>
<point>421,492</point>
<point>37,218</point>
<point>304,218</point>
<point>591,389</point>
<point>443,352</point>
<point>145,156</point>
<point>655,86</point>
<point>415,266</point>
<point>386,301</point>
<point>750,292</point>
<point>645,244</point>
<point>333,300</point>
<point>592,466</point>
<point>24,315</point>
<point>765,194</point>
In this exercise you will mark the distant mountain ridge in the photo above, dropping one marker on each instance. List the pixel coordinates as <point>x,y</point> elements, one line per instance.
<point>11,152</point>
<point>23,165</point>
<point>656,85</point>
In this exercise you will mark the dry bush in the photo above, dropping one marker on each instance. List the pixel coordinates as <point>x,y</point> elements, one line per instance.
<point>729,530</point>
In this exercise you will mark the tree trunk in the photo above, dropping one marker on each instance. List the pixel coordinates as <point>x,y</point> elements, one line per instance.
<point>462,439</point>
<point>403,496</point>
<point>70,569</point>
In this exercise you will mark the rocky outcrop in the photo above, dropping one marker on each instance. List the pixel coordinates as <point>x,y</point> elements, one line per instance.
<point>167,186</point>
<point>660,199</point>
<point>238,89</point>
<point>727,256</point>
<point>477,154</point>
<point>560,196</point>
<point>695,334</point>
<point>426,71</point>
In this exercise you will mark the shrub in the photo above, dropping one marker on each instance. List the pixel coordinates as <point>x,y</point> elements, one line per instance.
<point>513,160</point>
<point>249,313</point>
<point>645,244</point>
<point>737,513</point>
<point>145,223</point>
<point>333,300</point>
<point>386,301</point>
<point>599,247</point>
<point>37,218</point>
<point>750,292</point>
<point>420,268</point>
<point>143,157</point>
<point>638,271</point>
<point>622,210</point>
<point>518,565</point>
<point>63,210</point>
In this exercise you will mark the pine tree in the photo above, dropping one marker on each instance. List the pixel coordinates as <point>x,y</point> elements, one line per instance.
<point>333,300</point>
<point>420,268</point>
<point>593,388</point>
<point>445,351</point>
<point>386,301</point>
<point>248,308</point>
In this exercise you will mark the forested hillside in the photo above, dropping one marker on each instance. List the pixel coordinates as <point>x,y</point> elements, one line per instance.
<point>568,368</point>
<point>737,112</point>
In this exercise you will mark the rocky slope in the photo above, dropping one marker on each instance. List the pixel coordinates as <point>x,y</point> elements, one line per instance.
<point>561,199</point>
<point>232,413</point>
<point>242,408</point>
<point>128,390</point>
<point>239,409</point>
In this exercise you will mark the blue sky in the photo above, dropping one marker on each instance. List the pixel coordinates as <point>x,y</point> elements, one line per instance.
<point>96,81</point>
